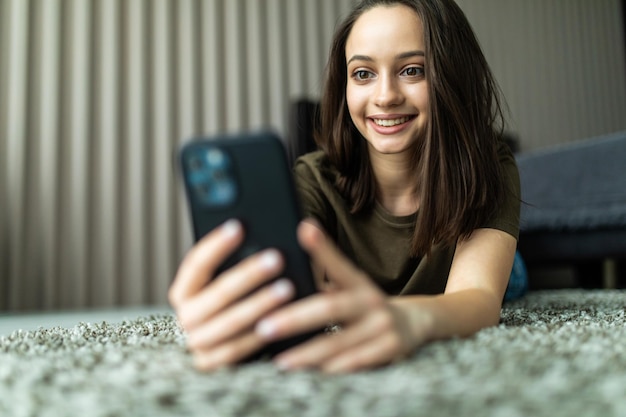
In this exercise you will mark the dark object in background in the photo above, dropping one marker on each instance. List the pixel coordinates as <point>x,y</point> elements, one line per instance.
<point>574,207</point>
<point>511,140</point>
<point>303,122</point>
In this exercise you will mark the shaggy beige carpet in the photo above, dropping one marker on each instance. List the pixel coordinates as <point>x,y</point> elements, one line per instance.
<point>555,353</point>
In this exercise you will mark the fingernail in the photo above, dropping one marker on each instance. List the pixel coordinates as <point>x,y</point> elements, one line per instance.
<point>231,228</point>
<point>283,288</point>
<point>270,259</point>
<point>265,329</point>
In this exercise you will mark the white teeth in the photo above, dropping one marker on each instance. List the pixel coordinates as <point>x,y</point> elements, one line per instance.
<point>391,122</point>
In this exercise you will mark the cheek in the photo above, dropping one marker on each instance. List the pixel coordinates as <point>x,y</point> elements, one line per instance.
<point>356,108</point>
<point>356,101</point>
<point>423,100</point>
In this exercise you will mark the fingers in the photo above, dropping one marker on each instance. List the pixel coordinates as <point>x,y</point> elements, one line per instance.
<point>222,319</point>
<point>377,352</point>
<point>203,259</point>
<point>390,342</point>
<point>227,354</point>
<point>367,343</point>
<point>241,316</point>
<point>230,287</point>
<point>316,311</point>
<point>323,347</point>
<point>228,338</point>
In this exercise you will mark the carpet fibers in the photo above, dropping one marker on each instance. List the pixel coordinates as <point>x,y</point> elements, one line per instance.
<point>555,353</point>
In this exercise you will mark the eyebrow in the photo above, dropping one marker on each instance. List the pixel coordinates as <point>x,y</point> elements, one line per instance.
<point>403,55</point>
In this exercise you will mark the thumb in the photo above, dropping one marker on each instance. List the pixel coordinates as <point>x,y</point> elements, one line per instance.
<point>325,253</point>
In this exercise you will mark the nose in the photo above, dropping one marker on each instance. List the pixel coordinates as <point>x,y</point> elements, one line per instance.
<point>387,92</point>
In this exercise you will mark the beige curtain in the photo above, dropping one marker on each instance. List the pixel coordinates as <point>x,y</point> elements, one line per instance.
<point>95,97</point>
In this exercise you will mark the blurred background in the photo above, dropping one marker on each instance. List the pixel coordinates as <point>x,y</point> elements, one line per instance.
<point>96,96</point>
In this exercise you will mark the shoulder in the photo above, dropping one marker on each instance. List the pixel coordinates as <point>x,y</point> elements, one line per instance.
<point>506,216</point>
<point>315,178</point>
<point>315,167</point>
<point>510,171</point>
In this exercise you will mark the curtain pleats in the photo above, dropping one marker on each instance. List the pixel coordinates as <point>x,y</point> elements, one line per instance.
<point>96,96</point>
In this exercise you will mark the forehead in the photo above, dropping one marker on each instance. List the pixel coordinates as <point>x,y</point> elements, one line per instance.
<point>386,27</point>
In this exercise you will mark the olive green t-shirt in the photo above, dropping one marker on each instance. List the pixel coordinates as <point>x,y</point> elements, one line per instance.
<point>379,242</point>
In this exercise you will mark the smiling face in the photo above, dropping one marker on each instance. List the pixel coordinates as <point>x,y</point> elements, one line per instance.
<point>386,90</point>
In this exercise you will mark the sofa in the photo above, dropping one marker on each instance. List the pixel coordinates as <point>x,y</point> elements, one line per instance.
<point>574,208</point>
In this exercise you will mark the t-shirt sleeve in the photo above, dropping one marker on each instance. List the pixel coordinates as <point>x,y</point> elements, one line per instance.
<point>507,216</point>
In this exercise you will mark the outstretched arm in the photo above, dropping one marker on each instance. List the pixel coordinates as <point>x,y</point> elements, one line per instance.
<point>476,285</point>
<point>380,329</point>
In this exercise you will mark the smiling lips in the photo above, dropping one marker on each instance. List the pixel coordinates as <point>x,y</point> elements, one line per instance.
<point>391,122</point>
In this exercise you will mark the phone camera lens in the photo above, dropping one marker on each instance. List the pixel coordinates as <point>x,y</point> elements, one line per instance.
<point>215,158</point>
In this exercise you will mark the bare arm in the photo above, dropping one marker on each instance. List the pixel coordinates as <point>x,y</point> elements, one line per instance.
<point>473,296</point>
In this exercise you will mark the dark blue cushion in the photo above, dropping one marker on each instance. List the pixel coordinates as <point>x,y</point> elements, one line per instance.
<point>575,187</point>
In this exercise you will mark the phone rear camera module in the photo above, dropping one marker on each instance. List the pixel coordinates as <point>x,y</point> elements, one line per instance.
<point>212,178</point>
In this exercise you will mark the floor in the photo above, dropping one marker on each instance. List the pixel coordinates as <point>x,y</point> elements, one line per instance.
<point>10,322</point>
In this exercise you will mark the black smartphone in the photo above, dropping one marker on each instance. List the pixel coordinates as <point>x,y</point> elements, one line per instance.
<point>246,176</point>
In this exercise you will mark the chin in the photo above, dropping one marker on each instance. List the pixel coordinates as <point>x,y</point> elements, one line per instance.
<point>390,145</point>
<point>389,150</point>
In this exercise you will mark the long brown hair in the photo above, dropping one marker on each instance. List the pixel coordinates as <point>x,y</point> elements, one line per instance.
<point>459,176</point>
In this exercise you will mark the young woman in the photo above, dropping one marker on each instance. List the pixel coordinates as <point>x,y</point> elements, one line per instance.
<point>412,205</point>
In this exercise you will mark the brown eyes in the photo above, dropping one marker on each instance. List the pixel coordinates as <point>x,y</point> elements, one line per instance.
<point>412,72</point>
<point>362,75</point>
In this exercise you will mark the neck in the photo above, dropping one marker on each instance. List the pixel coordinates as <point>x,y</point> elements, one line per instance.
<point>395,183</point>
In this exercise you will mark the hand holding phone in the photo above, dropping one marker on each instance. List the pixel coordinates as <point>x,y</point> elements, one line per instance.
<point>246,177</point>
